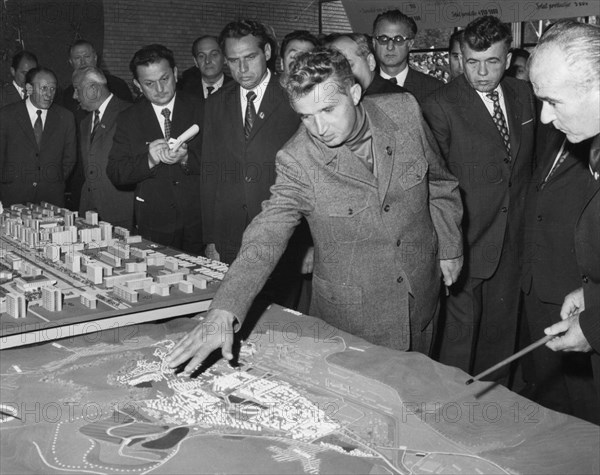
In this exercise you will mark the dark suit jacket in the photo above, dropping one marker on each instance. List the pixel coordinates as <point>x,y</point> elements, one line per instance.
<point>551,211</point>
<point>237,173</point>
<point>29,173</point>
<point>382,86</point>
<point>587,250</point>
<point>9,94</point>
<point>377,240</point>
<point>165,190</point>
<point>191,82</point>
<point>493,188</point>
<point>420,85</point>
<point>115,85</point>
<point>113,204</point>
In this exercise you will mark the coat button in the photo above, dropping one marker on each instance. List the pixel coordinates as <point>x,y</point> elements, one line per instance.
<point>350,211</point>
<point>175,183</point>
<point>388,150</point>
<point>504,209</point>
<point>506,160</point>
<point>386,208</point>
<point>398,242</point>
<point>247,179</point>
<point>400,279</point>
<point>584,279</point>
<point>244,207</point>
<point>539,217</point>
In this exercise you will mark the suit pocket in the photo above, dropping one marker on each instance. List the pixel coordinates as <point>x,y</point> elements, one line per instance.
<point>339,305</point>
<point>413,173</point>
<point>350,222</point>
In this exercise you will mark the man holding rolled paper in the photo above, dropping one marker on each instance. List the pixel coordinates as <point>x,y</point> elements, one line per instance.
<point>150,153</point>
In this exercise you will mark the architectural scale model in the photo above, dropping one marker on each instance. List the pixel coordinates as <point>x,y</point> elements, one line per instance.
<point>300,397</point>
<point>56,266</point>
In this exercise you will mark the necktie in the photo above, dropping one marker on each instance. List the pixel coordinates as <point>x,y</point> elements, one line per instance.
<point>25,95</point>
<point>209,90</point>
<point>250,113</point>
<point>500,121</point>
<point>393,80</point>
<point>95,125</point>
<point>38,128</point>
<point>558,163</point>
<point>595,162</point>
<point>167,113</point>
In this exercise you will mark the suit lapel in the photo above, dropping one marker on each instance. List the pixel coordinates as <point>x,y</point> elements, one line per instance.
<point>25,123</point>
<point>109,116</point>
<point>232,113</point>
<point>514,110</point>
<point>272,98</point>
<point>475,112</point>
<point>51,126</point>
<point>150,123</point>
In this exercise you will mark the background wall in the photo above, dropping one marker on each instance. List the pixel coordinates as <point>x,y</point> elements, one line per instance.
<point>120,27</point>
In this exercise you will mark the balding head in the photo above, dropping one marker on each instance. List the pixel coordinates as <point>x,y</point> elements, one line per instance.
<point>90,87</point>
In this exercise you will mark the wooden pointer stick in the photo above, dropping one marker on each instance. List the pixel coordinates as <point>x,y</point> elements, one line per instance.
<point>510,359</point>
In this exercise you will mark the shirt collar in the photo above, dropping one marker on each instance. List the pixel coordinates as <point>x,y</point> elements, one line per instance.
<point>259,90</point>
<point>216,85</point>
<point>32,111</point>
<point>20,90</point>
<point>400,77</point>
<point>104,105</point>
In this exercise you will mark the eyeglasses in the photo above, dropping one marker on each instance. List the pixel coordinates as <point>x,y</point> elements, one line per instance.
<point>383,40</point>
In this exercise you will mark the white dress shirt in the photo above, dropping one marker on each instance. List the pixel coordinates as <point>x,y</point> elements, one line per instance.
<point>260,93</point>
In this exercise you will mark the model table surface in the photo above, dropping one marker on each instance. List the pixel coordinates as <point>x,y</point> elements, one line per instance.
<point>302,397</point>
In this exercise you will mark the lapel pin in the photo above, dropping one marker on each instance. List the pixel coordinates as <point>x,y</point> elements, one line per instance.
<point>261,115</point>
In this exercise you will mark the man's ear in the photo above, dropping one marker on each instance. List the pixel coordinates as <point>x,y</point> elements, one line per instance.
<point>29,89</point>
<point>138,85</point>
<point>13,73</point>
<point>356,93</point>
<point>371,61</point>
<point>267,50</point>
<point>175,73</point>
<point>508,58</point>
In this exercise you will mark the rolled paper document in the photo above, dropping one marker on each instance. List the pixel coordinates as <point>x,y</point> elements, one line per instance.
<point>189,134</point>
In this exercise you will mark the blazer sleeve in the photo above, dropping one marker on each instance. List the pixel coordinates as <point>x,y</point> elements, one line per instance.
<point>70,149</point>
<point>439,124</point>
<point>128,158</point>
<point>445,205</point>
<point>589,319</point>
<point>267,237</point>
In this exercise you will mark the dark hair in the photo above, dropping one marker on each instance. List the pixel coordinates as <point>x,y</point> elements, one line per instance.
<point>363,43</point>
<point>241,28</point>
<point>455,37</point>
<point>314,67</point>
<point>82,42</point>
<point>396,16</point>
<point>300,35</point>
<point>484,31</point>
<point>201,38</point>
<point>20,56</point>
<point>33,72</point>
<point>151,54</point>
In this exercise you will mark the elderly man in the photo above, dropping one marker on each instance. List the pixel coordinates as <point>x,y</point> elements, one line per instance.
<point>564,74</point>
<point>382,207</point>
<point>37,144</point>
<point>97,130</point>
<point>355,47</point>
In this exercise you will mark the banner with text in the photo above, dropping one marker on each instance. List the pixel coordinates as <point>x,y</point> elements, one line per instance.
<point>450,14</point>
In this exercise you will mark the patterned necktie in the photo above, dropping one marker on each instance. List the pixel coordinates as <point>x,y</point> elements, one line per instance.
<point>209,90</point>
<point>500,121</point>
<point>393,81</point>
<point>38,128</point>
<point>558,162</point>
<point>167,113</point>
<point>250,113</point>
<point>95,125</point>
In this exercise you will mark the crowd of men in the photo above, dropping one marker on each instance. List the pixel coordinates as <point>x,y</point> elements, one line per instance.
<point>384,183</point>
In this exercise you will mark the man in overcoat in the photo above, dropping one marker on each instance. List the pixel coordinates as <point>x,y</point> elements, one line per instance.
<point>383,210</point>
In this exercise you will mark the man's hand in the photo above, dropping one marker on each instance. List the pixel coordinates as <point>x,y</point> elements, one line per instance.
<point>156,150</point>
<point>572,340</point>
<point>573,304</point>
<point>451,269</point>
<point>308,262</point>
<point>215,331</point>
<point>170,157</point>
<point>211,252</point>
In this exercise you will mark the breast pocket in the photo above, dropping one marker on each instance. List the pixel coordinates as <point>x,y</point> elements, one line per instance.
<point>351,222</point>
<point>413,173</point>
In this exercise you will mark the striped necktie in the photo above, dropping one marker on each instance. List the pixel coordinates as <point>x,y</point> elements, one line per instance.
<point>250,113</point>
<point>500,121</point>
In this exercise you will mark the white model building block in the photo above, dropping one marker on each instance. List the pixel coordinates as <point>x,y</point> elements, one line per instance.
<point>197,281</point>
<point>186,287</point>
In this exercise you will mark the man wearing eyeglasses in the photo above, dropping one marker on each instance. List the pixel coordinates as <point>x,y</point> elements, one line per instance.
<point>484,123</point>
<point>393,36</point>
<point>37,144</point>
